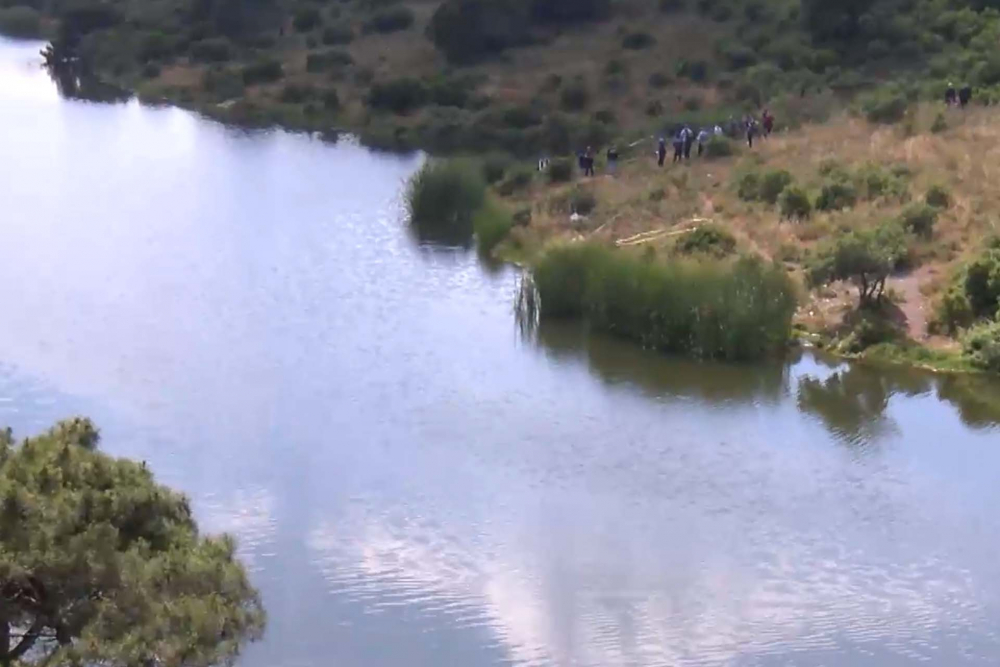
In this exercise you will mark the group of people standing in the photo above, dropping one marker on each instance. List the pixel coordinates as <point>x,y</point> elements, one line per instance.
<point>685,138</point>
<point>960,97</point>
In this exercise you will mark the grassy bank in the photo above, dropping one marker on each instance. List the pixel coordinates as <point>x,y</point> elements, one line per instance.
<point>737,310</point>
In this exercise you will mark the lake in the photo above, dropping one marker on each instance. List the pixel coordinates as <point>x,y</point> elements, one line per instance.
<point>411,479</point>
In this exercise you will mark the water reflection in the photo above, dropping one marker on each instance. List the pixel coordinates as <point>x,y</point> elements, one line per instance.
<point>76,83</point>
<point>622,363</point>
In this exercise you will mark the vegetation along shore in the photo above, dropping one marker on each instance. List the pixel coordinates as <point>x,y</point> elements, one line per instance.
<point>872,196</point>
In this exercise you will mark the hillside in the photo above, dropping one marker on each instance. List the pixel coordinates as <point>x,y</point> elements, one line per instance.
<point>522,76</point>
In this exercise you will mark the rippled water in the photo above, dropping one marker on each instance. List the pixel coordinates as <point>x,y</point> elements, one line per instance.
<point>412,482</point>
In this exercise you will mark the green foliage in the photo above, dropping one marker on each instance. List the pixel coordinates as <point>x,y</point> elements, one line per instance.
<point>719,147</point>
<point>495,166</point>
<point>331,99</point>
<point>21,21</point>
<point>919,219</point>
<point>582,201</point>
<point>658,80</point>
<point>938,197</point>
<point>766,187</point>
<point>467,31</point>
<point>222,83</point>
<point>836,195</point>
<point>262,71</point>
<point>734,311</point>
<point>866,257</point>
<point>574,96</point>
<point>101,565</point>
<point>400,96</point>
<point>297,93</point>
<point>212,50</point>
<point>772,184</point>
<point>794,203</point>
<point>982,345</point>
<point>518,179</point>
<point>982,283</point>
<point>491,224</point>
<point>940,124</point>
<point>335,35</point>
<point>875,182</point>
<point>709,240</point>
<point>638,40</point>
<point>389,20</point>
<point>887,105</point>
<point>322,61</point>
<point>560,170</point>
<point>307,18</point>
<point>443,197</point>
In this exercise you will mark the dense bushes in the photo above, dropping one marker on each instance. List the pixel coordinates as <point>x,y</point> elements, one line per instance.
<point>638,40</point>
<point>766,187</point>
<point>334,35</point>
<point>20,21</point>
<point>734,311</point>
<point>708,239</point>
<point>938,197</point>
<point>212,50</point>
<point>982,345</point>
<point>399,96</point>
<point>794,203</point>
<point>574,96</point>
<point>975,291</point>
<point>389,20</point>
<point>866,257</point>
<point>836,195</point>
<point>262,71</point>
<point>491,224</point>
<point>470,30</point>
<point>887,105</point>
<point>719,147</point>
<point>306,19</point>
<point>322,61</point>
<point>919,219</point>
<point>560,170</point>
<point>443,197</point>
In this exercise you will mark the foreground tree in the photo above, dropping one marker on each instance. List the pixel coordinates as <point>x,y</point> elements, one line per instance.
<point>99,565</point>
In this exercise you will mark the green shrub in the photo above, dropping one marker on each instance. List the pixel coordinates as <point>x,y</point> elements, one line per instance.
<point>306,19</point>
<point>866,257</point>
<point>658,80</point>
<point>389,20</point>
<point>222,83</point>
<point>443,197</point>
<point>335,35</point>
<point>638,40</point>
<point>151,70</point>
<point>837,195</point>
<point>719,147</point>
<point>322,61</point>
<point>671,6</point>
<point>575,96</point>
<point>734,311</point>
<point>582,201</point>
<point>331,99</point>
<point>212,50</point>
<point>495,167</point>
<point>954,311</point>
<point>20,21</point>
<point>982,345</point>
<point>982,283</point>
<point>887,105</point>
<point>297,93</point>
<point>400,96</point>
<point>938,197</point>
<point>605,116</point>
<point>491,224</point>
<point>696,70</point>
<point>518,179</point>
<point>748,186</point>
<point>876,182</point>
<point>560,170</point>
<point>772,184</point>
<point>940,124</point>
<point>262,71</point>
<point>708,239</point>
<point>794,203</point>
<point>919,219</point>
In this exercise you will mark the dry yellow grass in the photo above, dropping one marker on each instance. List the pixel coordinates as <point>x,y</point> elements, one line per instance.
<point>965,159</point>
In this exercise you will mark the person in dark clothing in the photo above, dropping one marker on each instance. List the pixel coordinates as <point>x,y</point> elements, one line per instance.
<point>751,130</point>
<point>767,120</point>
<point>612,160</point>
<point>661,152</point>
<point>588,162</point>
<point>950,95</point>
<point>965,95</point>
<point>679,146</point>
<point>688,135</point>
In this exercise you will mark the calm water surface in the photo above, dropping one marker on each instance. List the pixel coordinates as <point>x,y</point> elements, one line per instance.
<point>414,483</point>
